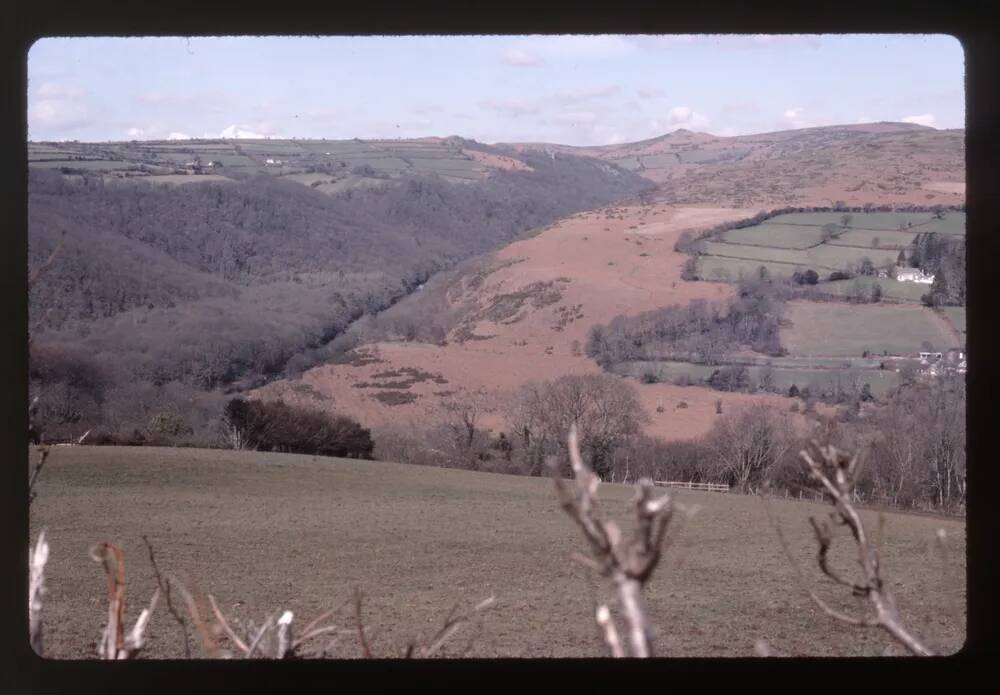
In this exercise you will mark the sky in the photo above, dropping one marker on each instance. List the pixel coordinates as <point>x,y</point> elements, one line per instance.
<point>574,90</point>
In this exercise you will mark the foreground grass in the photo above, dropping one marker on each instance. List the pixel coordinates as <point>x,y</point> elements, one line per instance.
<point>268,531</point>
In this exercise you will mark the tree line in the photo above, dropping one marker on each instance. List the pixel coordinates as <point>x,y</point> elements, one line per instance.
<point>700,332</point>
<point>913,448</point>
<point>170,295</point>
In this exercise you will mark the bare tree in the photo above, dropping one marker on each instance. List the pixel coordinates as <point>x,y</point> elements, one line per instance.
<point>628,563</point>
<point>747,443</point>
<point>605,409</point>
<point>838,472</point>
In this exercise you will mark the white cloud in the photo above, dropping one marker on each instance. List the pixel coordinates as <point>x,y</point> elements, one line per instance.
<point>537,50</point>
<point>650,92</point>
<point>794,113</point>
<point>513,107</point>
<point>686,117</point>
<point>178,136</point>
<point>58,114</point>
<point>521,58</point>
<point>235,132</point>
<point>865,119</point>
<point>926,119</point>
<point>55,107</point>
<point>136,133</point>
<point>55,90</point>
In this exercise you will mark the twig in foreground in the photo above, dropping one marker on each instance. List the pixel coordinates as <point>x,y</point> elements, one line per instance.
<point>838,472</point>
<point>628,563</point>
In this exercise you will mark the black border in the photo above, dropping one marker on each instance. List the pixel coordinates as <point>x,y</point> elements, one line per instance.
<point>968,21</point>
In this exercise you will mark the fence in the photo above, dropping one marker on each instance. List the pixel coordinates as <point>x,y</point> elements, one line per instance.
<point>688,485</point>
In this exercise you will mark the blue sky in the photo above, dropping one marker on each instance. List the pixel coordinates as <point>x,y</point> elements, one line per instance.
<point>577,90</point>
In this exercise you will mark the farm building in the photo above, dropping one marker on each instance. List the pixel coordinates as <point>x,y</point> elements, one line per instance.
<point>939,364</point>
<point>928,357</point>
<point>913,275</point>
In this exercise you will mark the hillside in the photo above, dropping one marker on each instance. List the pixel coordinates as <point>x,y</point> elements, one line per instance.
<point>264,532</point>
<point>523,314</point>
<point>203,285</point>
<point>878,163</point>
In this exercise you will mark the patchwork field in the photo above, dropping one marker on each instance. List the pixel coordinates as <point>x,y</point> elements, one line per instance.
<point>337,164</point>
<point>264,532</point>
<point>834,329</point>
<point>817,378</point>
<point>891,289</point>
<point>791,242</point>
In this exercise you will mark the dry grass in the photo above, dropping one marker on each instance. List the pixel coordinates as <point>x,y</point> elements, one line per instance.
<point>266,531</point>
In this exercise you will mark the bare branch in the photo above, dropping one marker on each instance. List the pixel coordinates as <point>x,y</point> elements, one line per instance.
<point>268,623</point>
<point>43,454</point>
<point>838,473</point>
<point>366,651</point>
<point>224,624</point>
<point>114,643</point>
<point>611,637</point>
<point>208,637</point>
<point>164,586</point>
<point>627,563</point>
<point>37,559</point>
<point>451,625</point>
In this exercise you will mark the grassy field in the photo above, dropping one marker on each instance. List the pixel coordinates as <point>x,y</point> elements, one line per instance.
<point>891,289</point>
<point>787,236</point>
<point>791,242</point>
<point>835,329</point>
<point>387,157</point>
<point>269,531</point>
<point>956,316</point>
<point>882,382</point>
<point>859,220</point>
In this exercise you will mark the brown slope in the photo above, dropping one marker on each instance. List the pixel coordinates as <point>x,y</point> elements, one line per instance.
<point>526,318</point>
<point>876,163</point>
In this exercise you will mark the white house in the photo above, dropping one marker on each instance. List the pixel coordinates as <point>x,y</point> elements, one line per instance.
<point>913,275</point>
<point>272,162</point>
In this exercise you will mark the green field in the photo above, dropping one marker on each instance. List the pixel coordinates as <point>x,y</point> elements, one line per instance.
<point>823,258</point>
<point>891,289</point>
<point>859,220</point>
<point>731,269</point>
<point>956,316</point>
<point>786,243</point>
<point>786,236</point>
<point>386,157</point>
<point>264,532</point>
<point>882,382</point>
<point>835,329</point>
<point>867,237</point>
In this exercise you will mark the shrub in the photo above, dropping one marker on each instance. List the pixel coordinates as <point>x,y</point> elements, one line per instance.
<point>277,426</point>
